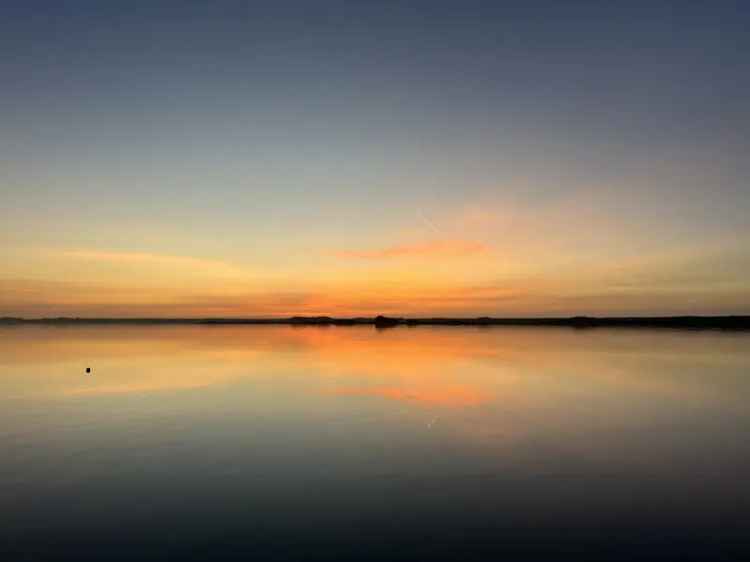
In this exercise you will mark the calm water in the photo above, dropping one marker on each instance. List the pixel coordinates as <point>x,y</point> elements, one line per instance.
<point>340,443</point>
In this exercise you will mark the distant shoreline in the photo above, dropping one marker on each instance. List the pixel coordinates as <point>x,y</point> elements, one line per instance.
<point>739,322</point>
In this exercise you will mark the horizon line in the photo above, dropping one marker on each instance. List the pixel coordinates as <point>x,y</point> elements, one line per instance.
<point>735,322</point>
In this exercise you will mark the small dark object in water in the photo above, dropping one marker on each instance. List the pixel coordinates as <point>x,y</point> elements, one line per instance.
<point>88,369</point>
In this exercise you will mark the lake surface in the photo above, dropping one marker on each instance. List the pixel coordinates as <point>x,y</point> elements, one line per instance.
<point>347,443</point>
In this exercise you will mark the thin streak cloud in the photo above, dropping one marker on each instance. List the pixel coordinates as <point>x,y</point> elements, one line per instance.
<point>151,259</point>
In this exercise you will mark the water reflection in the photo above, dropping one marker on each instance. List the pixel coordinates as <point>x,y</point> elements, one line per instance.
<point>279,441</point>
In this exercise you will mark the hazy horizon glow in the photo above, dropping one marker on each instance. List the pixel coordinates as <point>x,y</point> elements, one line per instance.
<point>505,159</point>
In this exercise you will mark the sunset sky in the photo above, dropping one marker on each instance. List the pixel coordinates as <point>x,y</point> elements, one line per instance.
<point>354,158</point>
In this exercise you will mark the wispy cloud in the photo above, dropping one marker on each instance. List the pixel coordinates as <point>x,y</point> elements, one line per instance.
<point>441,248</point>
<point>151,259</point>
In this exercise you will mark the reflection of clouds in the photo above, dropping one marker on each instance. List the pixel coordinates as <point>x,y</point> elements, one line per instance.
<point>145,387</point>
<point>505,390</point>
<point>145,374</point>
<point>437,395</point>
<point>456,367</point>
<point>509,392</point>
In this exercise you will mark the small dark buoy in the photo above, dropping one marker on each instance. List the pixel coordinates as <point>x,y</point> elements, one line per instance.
<point>88,369</point>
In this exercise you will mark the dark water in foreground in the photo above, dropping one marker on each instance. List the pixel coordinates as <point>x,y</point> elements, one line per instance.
<point>344,443</point>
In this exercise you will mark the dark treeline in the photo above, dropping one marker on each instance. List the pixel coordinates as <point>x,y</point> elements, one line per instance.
<point>685,322</point>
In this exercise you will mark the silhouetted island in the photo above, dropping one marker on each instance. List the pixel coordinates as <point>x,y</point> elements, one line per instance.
<point>674,322</point>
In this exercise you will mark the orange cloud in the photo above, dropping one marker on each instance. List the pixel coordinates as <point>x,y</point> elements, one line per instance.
<point>441,248</point>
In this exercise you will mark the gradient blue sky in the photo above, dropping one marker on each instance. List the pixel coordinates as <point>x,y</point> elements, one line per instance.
<point>243,158</point>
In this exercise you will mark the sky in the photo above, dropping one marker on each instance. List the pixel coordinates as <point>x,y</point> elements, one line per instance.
<point>227,158</point>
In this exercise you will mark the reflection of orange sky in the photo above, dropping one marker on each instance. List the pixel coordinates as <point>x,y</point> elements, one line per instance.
<point>488,387</point>
<point>448,367</point>
<point>344,360</point>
